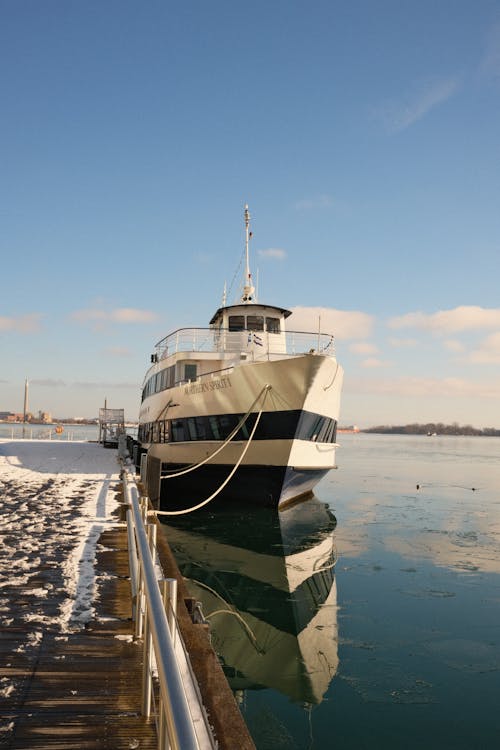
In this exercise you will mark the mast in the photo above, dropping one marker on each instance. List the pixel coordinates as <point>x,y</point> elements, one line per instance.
<point>248,288</point>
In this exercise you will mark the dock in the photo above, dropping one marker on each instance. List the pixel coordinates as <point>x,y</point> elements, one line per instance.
<point>70,659</point>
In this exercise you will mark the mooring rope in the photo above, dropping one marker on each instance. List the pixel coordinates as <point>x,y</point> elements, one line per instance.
<point>230,611</point>
<point>265,390</point>
<point>240,424</point>
<point>326,387</point>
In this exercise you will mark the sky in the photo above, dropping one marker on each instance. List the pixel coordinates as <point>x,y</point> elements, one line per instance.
<point>365,137</point>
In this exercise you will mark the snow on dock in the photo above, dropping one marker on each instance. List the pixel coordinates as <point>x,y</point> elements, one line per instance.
<point>56,501</point>
<point>68,664</point>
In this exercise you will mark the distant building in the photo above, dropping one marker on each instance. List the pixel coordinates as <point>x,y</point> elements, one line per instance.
<point>45,417</point>
<point>18,417</point>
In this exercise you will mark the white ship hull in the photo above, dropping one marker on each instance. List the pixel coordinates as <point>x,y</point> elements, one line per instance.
<point>284,460</point>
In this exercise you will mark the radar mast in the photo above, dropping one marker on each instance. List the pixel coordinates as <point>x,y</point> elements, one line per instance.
<point>248,288</point>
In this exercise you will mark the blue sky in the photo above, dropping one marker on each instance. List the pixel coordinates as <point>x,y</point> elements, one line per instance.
<point>363,135</point>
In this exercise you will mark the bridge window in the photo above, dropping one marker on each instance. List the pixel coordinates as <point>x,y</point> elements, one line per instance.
<point>236,322</point>
<point>273,325</point>
<point>255,322</point>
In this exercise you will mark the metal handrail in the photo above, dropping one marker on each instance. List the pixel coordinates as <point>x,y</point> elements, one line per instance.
<point>173,702</point>
<point>224,340</point>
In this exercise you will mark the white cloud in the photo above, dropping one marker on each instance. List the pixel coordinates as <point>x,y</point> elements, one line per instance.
<point>373,363</point>
<point>119,315</point>
<point>490,63</point>
<point>48,382</point>
<point>273,252</point>
<point>318,201</point>
<point>421,386</point>
<point>109,386</point>
<point>363,347</point>
<point>398,116</point>
<point>131,315</point>
<point>398,343</point>
<point>204,258</point>
<point>463,318</point>
<point>30,323</point>
<point>118,351</point>
<point>488,351</point>
<point>344,325</point>
<point>454,346</point>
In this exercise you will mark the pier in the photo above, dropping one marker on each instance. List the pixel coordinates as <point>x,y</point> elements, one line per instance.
<point>72,657</point>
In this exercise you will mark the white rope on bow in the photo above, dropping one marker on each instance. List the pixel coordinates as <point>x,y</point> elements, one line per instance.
<point>240,424</point>
<point>265,390</point>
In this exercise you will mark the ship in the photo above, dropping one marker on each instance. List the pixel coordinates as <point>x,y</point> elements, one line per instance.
<point>241,409</point>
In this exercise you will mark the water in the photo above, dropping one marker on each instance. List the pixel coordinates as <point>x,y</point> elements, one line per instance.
<point>368,617</point>
<point>87,432</point>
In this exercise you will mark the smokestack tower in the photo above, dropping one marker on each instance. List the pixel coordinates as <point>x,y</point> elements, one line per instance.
<point>25,413</point>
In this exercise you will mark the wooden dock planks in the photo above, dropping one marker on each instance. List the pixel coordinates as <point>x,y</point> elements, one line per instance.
<point>80,689</point>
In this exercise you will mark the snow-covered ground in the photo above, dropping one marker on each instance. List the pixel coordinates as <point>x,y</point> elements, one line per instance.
<point>55,501</point>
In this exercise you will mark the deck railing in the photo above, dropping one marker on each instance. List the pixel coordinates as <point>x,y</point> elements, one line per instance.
<point>181,723</point>
<point>20,431</point>
<point>262,344</point>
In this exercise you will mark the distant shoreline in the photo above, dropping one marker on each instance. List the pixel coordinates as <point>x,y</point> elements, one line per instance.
<point>433,430</point>
<point>85,423</point>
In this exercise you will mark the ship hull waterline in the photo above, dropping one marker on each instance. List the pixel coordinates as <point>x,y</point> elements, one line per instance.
<point>270,485</point>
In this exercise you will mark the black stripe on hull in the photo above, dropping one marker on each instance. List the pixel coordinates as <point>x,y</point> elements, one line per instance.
<point>275,425</point>
<point>262,485</point>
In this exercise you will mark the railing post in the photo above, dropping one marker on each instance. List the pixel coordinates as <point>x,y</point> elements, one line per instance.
<point>133,565</point>
<point>139,606</point>
<point>144,467</point>
<point>169,596</point>
<point>172,619</point>
<point>152,540</point>
<point>163,743</point>
<point>170,602</point>
<point>147,680</point>
<point>144,509</point>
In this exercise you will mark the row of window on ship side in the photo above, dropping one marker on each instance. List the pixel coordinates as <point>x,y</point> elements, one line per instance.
<point>160,382</point>
<point>284,425</point>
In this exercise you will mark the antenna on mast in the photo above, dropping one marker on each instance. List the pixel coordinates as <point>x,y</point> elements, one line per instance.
<point>248,288</point>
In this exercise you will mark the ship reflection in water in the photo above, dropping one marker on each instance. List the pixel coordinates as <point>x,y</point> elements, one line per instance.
<point>266,583</point>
